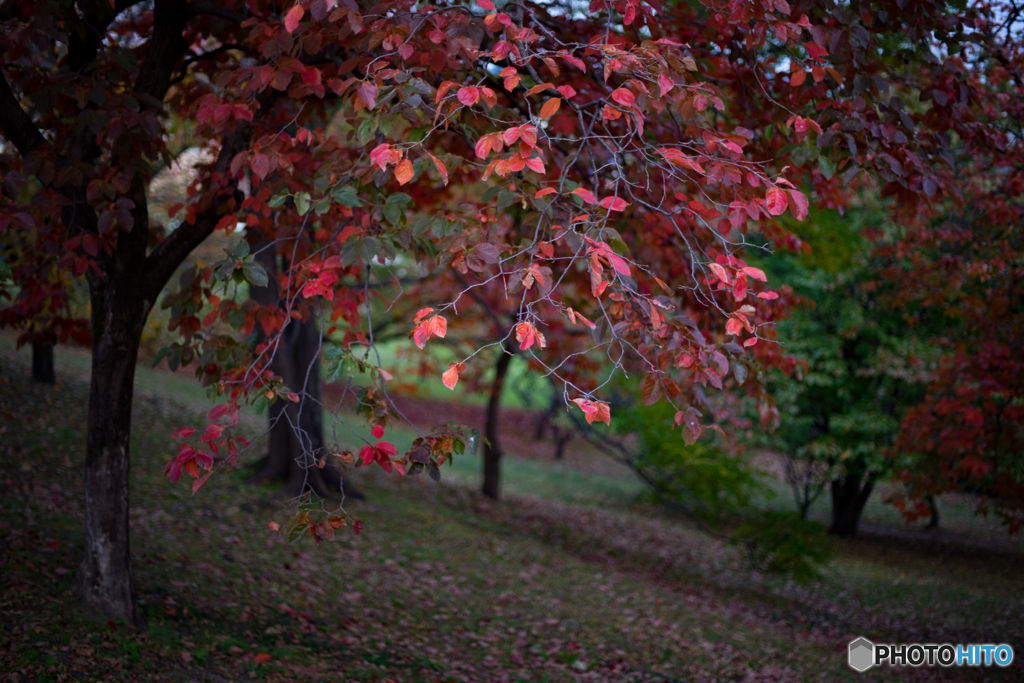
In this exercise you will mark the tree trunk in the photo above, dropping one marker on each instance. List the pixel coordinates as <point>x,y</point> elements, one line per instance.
<point>850,494</point>
<point>933,507</point>
<point>42,362</point>
<point>492,450</point>
<point>119,310</point>
<point>296,429</point>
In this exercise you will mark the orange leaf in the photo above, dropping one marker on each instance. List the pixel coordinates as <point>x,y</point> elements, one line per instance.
<point>797,78</point>
<point>262,658</point>
<point>527,334</point>
<point>543,193</point>
<point>404,172</point>
<point>539,88</point>
<point>440,168</point>
<point>451,375</point>
<point>550,108</point>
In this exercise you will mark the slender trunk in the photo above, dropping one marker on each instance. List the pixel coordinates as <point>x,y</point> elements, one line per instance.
<point>850,494</point>
<point>933,507</point>
<point>492,450</point>
<point>42,362</point>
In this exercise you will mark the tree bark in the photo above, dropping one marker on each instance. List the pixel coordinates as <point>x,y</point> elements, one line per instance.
<point>492,450</point>
<point>42,362</point>
<point>119,310</point>
<point>850,494</point>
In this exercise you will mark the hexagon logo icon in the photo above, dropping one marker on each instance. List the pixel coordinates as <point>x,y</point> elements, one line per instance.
<point>862,654</point>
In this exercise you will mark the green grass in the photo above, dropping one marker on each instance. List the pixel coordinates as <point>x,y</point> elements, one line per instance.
<point>565,579</point>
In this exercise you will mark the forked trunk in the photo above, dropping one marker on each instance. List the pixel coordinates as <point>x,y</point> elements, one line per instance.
<point>296,429</point>
<point>492,450</point>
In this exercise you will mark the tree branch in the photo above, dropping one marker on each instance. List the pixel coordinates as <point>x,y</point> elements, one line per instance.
<point>213,9</point>
<point>16,123</point>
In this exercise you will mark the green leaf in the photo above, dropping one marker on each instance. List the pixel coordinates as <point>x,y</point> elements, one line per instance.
<point>507,199</point>
<point>241,250</point>
<point>278,200</point>
<point>399,198</point>
<point>347,196</point>
<point>393,213</point>
<point>827,167</point>
<point>302,201</point>
<point>255,273</point>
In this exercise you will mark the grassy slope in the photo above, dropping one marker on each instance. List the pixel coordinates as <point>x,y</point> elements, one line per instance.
<point>440,586</point>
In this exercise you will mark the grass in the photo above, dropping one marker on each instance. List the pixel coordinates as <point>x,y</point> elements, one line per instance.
<point>566,579</point>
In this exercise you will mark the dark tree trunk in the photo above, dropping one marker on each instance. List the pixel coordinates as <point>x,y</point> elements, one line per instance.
<point>933,507</point>
<point>850,494</point>
<point>119,310</point>
<point>492,450</point>
<point>42,362</point>
<point>296,429</point>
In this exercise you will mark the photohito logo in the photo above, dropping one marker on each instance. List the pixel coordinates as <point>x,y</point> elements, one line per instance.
<point>863,654</point>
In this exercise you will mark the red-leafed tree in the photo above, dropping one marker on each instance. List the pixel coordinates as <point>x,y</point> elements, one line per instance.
<point>608,163</point>
<point>961,265</point>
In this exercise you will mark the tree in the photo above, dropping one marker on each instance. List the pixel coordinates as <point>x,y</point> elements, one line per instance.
<point>860,367</point>
<point>640,164</point>
<point>959,267</point>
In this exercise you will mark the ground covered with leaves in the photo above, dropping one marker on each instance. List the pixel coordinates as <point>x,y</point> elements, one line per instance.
<point>441,585</point>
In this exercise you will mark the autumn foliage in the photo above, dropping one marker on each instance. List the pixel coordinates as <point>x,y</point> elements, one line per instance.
<point>578,182</point>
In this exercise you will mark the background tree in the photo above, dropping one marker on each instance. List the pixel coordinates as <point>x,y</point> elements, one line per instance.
<point>860,368</point>
<point>641,163</point>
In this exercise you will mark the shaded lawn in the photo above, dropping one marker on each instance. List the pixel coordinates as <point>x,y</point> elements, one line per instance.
<point>441,586</point>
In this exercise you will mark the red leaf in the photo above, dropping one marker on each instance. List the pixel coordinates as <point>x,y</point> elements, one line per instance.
<point>797,204</point>
<point>262,658</point>
<point>776,201</point>
<point>614,203</point>
<point>595,411</point>
<point>291,22</point>
<point>260,165</point>
<point>535,164</point>
<point>183,433</point>
<point>469,96</point>
<point>720,272</point>
<point>624,97</point>
<point>486,4</point>
<point>664,84</point>
<point>483,147</point>
<point>755,273</point>
<point>585,195</point>
<point>543,193</point>
<point>377,431</point>
<point>367,91</point>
